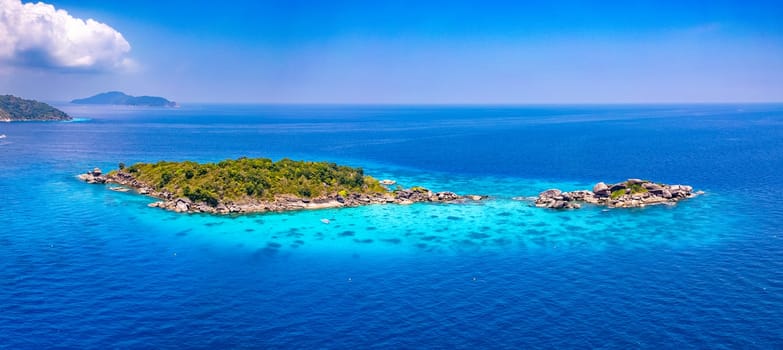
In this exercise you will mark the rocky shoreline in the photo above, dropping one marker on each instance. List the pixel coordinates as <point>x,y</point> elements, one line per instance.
<point>281,203</point>
<point>633,193</point>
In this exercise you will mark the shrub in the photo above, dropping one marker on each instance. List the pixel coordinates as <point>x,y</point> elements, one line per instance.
<point>618,193</point>
<point>637,188</point>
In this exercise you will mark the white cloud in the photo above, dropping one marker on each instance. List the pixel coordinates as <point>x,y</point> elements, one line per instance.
<point>38,35</point>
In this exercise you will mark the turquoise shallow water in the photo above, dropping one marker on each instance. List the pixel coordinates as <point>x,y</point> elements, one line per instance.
<point>85,267</point>
<point>497,224</point>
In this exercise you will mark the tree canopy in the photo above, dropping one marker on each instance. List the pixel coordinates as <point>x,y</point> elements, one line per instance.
<point>257,178</point>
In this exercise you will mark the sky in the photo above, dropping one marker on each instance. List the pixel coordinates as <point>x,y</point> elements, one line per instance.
<point>395,52</point>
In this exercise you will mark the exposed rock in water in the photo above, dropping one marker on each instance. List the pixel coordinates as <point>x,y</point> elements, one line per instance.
<point>93,177</point>
<point>601,189</point>
<point>633,193</point>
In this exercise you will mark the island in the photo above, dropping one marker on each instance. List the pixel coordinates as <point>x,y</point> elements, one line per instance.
<point>120,98</point>
<point>633,193</point>
<point>16,109</point>
<point>258,185</point>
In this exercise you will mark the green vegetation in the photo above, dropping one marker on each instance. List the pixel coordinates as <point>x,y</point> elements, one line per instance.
<point>418,189</point>
<point>632,188</point>
<point>637,188</point>
<point>13,108</point>
<point>246,179</point>
<point>618,193</point>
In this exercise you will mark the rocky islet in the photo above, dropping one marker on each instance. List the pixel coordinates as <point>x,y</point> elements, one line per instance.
<point>633,193</point>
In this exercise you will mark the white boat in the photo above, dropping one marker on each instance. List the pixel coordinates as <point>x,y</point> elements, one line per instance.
<point>387,182</point>
<point>325,221</point>
<point>2,136</point>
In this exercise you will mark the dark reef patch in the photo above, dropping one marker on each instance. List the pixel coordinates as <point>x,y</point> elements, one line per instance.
<point>478,235</point>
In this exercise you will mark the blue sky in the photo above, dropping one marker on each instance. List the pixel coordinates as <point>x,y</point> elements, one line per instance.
<point>434,52</point>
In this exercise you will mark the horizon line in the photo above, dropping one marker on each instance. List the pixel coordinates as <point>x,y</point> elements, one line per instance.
<point>477,104</point>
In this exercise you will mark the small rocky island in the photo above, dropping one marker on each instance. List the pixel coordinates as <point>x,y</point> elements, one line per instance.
<point>16,109</point>
<point>260,185</point>
<point>633,193</point>
<point>120,98</point>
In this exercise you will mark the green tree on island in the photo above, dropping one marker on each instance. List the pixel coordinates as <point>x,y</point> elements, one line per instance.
<point>256,178</point>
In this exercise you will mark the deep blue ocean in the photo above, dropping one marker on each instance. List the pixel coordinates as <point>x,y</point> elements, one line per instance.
<point>84,267</point>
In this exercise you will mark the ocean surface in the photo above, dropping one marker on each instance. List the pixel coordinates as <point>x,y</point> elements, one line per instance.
<point>84,267</point>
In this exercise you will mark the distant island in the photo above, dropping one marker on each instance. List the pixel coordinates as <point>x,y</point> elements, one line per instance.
<point>13,109</point>
<point>120,98</point>
<point>259,185</point>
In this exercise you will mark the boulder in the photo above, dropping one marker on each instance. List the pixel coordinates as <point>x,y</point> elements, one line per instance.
<point>446,196</point>
<point>635,181</point>
<point>600,188</point>
<point>181,206</point>
<point>550,193</point>
<point>617,187</point>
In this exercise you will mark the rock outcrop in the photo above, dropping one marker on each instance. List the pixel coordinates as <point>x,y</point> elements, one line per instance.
<point>93,177</point>
<point>633,193</point>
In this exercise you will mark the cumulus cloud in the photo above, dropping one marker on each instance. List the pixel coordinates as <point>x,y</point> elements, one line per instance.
<point>38,35</point>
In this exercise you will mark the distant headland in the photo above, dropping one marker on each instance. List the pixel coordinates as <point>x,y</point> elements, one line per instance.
<point>260,185</point>
<point>13,109</point>
<point>120,98</point>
